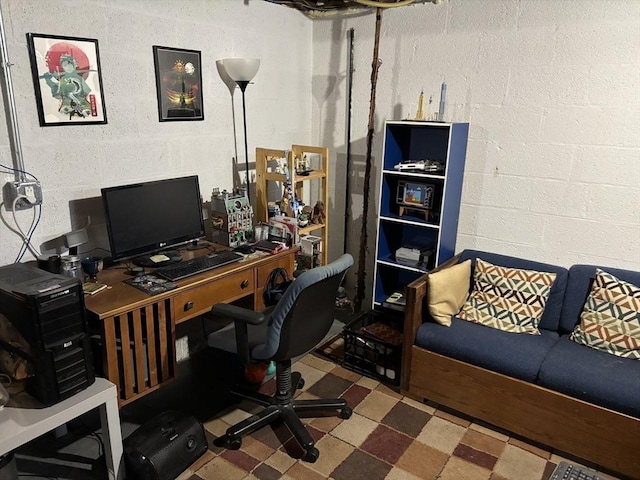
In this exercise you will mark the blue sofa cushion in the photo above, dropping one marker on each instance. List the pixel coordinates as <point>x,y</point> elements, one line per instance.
<point>513,354</point>
<point>594,376</point>
<point>551,316</point>
<point>578,287</point>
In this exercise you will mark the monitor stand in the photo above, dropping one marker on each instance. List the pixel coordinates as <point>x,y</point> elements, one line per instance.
<point>198,245</point>
<point>147,262</point>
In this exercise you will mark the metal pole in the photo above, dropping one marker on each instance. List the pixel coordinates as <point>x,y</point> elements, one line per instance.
<point>347,202</point>
<point>14,133</point>
<point>246,148</point>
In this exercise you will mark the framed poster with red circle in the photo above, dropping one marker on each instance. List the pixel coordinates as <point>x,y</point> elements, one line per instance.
<point>67,80</point>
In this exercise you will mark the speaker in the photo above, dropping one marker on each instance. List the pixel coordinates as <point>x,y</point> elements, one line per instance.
<point>163,447</point>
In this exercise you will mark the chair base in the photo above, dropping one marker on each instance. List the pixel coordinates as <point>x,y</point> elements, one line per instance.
<point>282,408</point>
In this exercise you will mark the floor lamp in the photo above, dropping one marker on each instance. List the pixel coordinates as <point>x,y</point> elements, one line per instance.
<point>242,71</point>
<point>231,85</point>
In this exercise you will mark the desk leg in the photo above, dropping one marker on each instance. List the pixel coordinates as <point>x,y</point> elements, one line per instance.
<point>110,421</point>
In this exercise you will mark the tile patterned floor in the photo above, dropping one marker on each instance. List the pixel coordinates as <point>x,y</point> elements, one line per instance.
<point>388,437</point>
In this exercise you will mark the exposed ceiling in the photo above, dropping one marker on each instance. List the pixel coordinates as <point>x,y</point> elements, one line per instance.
<point>320,8</point>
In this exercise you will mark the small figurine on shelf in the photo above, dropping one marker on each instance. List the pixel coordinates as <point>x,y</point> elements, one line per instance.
<point>420,112</point>
<point>305,216</point>
<point>318,216</point>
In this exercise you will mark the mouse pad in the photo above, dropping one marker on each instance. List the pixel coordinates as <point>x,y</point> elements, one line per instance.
<point>151,284</point>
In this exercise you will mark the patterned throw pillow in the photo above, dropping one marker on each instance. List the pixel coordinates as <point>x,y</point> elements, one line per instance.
<point>610,320</point>
<point>509,299</point>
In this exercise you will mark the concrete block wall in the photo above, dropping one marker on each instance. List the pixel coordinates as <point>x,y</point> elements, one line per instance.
<point>552,94</point>
<point>550,90</point>
<point>74,162</point>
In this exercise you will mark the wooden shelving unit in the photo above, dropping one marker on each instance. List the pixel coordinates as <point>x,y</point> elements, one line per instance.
<point>301,185</point>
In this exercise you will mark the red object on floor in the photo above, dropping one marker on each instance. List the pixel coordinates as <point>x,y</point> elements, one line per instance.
<point>255,372</point>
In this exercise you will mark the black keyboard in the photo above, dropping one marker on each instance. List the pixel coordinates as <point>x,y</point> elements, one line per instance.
<point>196,265</point>
<point>566,471</point>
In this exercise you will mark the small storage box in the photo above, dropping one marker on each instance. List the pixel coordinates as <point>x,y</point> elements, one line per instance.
<point>373,346</point>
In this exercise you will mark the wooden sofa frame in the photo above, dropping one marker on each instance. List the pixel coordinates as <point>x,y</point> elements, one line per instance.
<point>609,439</point>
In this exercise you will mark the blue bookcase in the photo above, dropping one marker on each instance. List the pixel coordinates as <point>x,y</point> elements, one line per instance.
<point>419,201</point>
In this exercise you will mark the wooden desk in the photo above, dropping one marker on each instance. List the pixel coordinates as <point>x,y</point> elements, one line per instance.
<point>126,316</point>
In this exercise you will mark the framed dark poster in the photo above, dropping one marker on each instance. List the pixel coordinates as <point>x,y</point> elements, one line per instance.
<point>178,84</point>
<point>67,80</point>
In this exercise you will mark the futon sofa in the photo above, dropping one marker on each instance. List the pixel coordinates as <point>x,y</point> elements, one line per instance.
<point>544,387</point>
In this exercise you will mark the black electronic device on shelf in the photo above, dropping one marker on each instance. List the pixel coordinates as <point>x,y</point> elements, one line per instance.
<point>144,219</point>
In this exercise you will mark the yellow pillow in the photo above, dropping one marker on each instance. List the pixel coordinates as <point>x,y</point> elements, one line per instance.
<point>447,291</point>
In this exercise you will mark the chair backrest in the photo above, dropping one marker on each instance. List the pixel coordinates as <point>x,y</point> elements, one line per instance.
<point>305,313</point>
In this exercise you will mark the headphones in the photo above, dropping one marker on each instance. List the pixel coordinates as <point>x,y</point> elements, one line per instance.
<point>277,283</point>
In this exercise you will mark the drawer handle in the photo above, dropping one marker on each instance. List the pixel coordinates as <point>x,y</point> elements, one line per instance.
<point>244,284</point>
<point>188,306</point>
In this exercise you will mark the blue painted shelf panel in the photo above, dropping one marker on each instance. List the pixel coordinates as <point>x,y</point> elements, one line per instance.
<point>428,229</point>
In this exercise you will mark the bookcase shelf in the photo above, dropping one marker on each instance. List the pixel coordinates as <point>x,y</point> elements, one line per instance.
<point>430,225</point>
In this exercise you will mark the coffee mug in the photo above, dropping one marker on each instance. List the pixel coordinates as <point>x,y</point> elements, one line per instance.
<point>91,266</point>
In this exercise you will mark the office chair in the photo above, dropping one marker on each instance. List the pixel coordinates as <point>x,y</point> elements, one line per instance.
<point>296,325</point>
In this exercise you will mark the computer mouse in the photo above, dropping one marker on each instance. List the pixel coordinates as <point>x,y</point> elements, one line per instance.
<point>245,249</point>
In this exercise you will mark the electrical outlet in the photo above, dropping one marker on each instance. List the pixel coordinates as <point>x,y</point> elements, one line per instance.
<point>31,191</point>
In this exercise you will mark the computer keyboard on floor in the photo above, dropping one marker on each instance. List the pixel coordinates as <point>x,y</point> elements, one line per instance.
<point>196,265</point>
<point>567,471</point>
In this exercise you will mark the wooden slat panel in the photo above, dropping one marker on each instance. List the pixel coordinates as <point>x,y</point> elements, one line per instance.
<point>110,353</point>
<point>138,347</point>
<point>171,332</point>
<point>151,346</point>
<point>162,339</point>
<point>127,363</point>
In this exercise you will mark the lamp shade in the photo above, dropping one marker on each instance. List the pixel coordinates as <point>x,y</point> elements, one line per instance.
<point>241,69</point>
<point>228,81</point>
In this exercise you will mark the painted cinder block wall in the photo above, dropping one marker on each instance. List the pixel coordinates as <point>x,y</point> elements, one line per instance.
<point>552,94</point>
<point>74,162</point>
<point>551,90</point>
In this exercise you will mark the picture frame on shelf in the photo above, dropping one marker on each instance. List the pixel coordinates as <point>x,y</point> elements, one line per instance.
<point>178,84</point>
<point>67,80</point>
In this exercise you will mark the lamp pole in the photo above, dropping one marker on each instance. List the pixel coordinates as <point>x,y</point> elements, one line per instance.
<point>243,86</point>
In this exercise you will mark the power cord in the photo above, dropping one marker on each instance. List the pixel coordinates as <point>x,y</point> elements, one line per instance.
<point>26,237</point>
<point>31,199</point>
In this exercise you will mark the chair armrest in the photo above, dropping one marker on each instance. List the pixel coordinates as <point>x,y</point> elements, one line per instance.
<point>416,294</point>
<point>241,318</point>
<point>236,313</point>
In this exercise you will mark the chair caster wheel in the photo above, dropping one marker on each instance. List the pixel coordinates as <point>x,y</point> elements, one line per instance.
<point>234,443</point>
<point>312,455</point>
<point>346,413</point>
<point>300,385</point>
<point>231,443</point>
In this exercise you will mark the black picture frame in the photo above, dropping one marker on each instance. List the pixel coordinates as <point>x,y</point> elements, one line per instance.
<point>178,84</point>
<point>67,80</point>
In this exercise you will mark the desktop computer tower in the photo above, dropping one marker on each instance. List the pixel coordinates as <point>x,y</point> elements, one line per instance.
<point>47,312</point>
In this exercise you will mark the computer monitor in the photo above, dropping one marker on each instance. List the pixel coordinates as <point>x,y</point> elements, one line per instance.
<point>143,219</point>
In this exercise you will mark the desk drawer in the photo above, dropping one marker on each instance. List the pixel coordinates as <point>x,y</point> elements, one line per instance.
<point>200,299</point>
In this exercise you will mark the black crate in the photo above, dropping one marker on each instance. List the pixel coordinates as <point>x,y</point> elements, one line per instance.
<point>376,355</point>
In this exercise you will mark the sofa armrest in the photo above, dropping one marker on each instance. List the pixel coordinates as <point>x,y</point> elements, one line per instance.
<point>414,315</point>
